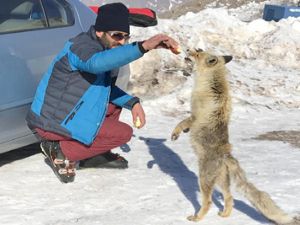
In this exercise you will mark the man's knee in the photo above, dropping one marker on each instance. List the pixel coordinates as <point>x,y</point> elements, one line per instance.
<point>127,132</point>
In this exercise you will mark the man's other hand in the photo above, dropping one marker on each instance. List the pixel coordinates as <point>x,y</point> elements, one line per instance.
<point>138,112</point>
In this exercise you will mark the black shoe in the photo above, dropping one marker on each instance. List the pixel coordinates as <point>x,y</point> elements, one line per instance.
<point>106,160</point>
<point>61,166</point>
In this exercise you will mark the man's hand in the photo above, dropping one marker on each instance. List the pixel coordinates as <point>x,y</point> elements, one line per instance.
<point>138,112</point>
<point>160,41</point>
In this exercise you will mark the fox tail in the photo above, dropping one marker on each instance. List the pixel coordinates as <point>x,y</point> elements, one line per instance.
<point>260,199</point>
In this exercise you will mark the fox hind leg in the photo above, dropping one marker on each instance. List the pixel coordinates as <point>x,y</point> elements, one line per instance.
<point>206,188</point>
<point>224,183</point>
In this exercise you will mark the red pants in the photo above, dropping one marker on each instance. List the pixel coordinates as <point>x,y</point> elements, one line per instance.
<point>112,134</point>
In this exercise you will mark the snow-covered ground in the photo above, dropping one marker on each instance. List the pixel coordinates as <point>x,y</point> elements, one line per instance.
<point>160,187</point>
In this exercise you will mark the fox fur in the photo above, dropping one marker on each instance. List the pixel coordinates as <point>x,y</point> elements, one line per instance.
<point>208,126</point>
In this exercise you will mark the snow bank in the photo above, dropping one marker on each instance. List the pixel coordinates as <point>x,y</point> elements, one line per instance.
<point>265,70</point>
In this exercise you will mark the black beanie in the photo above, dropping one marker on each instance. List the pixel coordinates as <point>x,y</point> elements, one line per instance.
<point>113,17</point>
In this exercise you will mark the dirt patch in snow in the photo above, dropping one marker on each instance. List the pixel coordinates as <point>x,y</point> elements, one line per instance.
<point>291,136</point>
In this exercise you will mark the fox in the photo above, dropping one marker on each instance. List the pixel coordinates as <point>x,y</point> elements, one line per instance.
<point>209,137</point>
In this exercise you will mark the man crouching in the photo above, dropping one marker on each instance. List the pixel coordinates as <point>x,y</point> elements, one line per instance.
<point>77,106</point>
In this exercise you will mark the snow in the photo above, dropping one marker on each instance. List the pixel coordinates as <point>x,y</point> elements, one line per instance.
<point>160,187</point>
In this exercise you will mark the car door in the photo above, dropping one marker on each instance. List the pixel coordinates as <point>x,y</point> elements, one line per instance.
<point>32,32</point>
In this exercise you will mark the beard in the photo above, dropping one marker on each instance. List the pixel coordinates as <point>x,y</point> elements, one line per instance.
<point>106,43</point>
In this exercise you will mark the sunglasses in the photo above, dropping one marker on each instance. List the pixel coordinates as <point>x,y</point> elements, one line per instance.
<point>118,36</point>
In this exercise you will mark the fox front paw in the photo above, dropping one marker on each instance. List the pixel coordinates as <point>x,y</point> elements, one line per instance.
<point>186,130</point>
<point>174,136</point>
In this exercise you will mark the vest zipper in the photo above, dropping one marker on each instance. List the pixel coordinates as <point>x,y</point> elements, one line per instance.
<point>71,116</point>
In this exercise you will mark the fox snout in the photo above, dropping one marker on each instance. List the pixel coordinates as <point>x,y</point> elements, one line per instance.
<point>191,53</point>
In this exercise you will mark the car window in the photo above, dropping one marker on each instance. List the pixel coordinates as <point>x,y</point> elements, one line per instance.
<point>20,15</point>
<point>58,13</point>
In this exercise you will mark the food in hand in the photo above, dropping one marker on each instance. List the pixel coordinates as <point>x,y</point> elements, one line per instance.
<point>137,122</point>
<point>176,50</point>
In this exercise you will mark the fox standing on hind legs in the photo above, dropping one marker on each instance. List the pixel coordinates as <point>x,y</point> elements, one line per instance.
<point>208,125</point>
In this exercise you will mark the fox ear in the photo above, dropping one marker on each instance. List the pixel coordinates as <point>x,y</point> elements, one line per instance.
<point>227,58</point>
<point>198,50</point>
<point>212,60</point>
